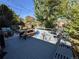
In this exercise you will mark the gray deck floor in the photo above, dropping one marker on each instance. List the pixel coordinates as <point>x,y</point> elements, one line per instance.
<point>28,49</point>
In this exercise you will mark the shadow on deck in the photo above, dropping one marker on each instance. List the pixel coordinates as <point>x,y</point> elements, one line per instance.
<point>31,48</point>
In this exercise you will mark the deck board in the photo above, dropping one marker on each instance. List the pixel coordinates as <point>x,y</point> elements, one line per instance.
<point>31,48</point>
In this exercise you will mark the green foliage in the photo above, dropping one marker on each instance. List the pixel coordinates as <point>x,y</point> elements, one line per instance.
<point>7,16</point>
<point>73,29</point>
<point>73,26</point>
<point>16,19</point>
<point>49,10</point>
<point>63,8</point>
<point>49,24</point>
<point>46,10</point>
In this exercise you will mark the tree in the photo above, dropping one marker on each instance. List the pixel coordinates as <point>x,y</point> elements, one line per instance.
<point>46,10</point>
<point>7,16</point>
<point>73,27</point>
<point>29,22</point>
<point>63,8</point>
<point>16,19</point>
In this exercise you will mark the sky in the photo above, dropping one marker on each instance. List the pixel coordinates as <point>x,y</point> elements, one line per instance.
<point>22,8</point>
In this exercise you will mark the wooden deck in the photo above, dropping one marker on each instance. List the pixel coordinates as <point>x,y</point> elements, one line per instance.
<point>28,49</point>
